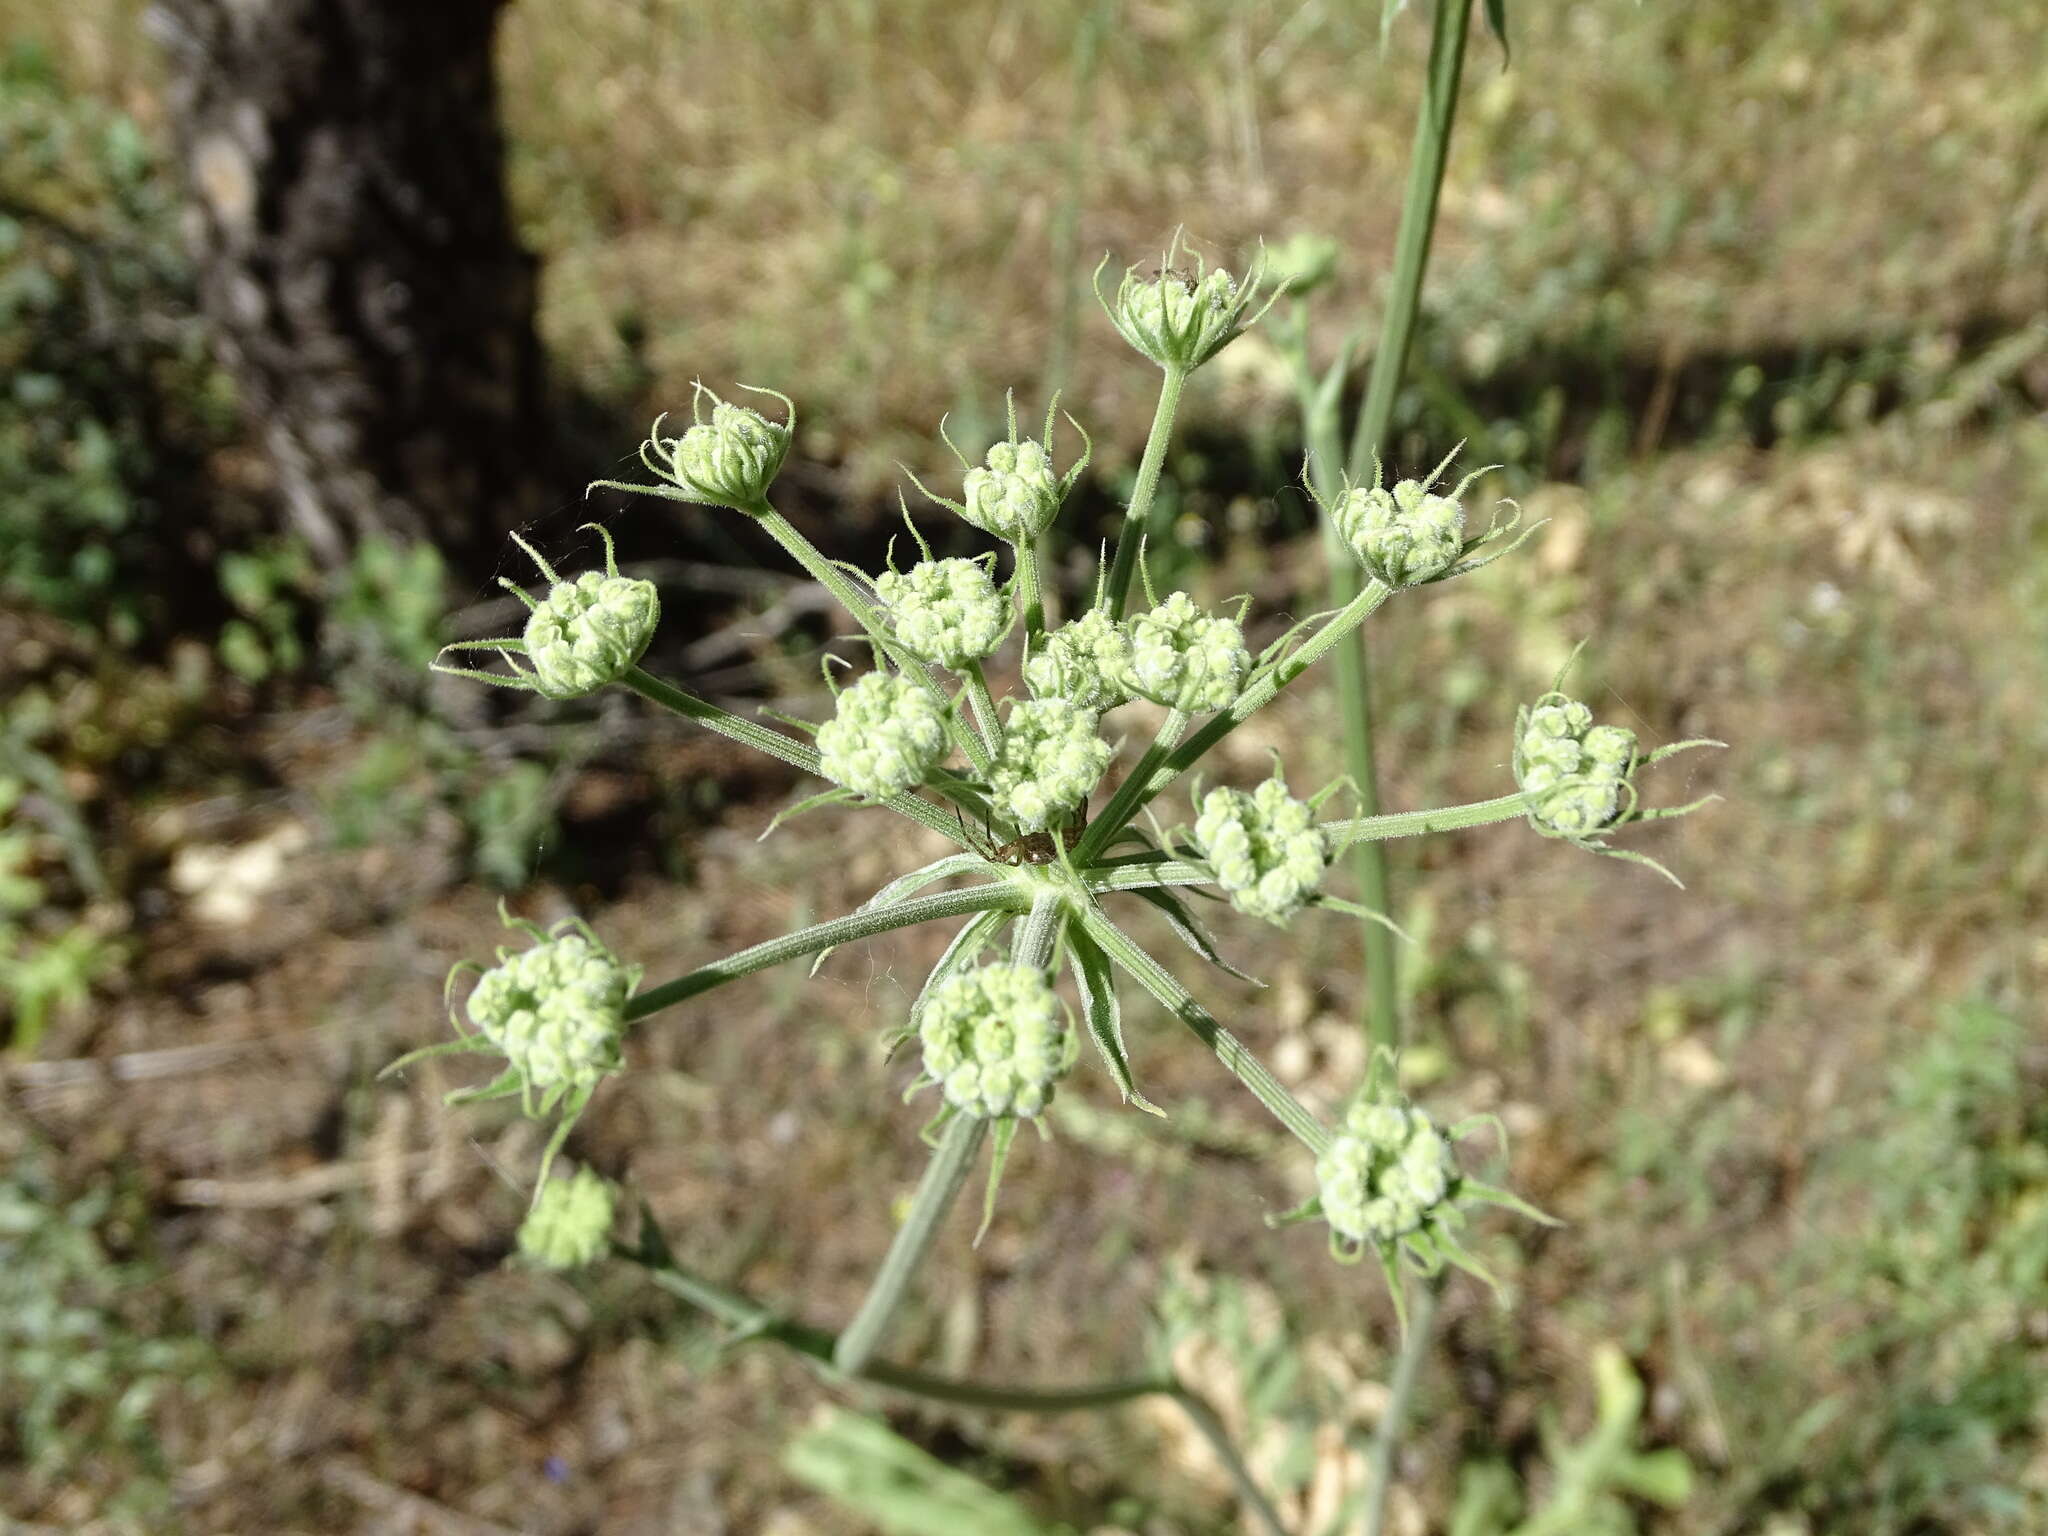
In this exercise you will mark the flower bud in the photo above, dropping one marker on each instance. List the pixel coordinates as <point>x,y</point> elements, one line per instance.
<point>1180,319</point>
<point>995,1040</point>
<point>570,1223</point>
<point>883,737</point>
<point>1015,495</point>
<point>1051,759</point>
<point>947,611</point>
<point>556,1011</point>
<point>1403,536</point>
<point>1264,847</point>
<point>1081,661</point>
<point>728,460</point>
<point>1184,658</point>
<point>1386,1175</point>
<point>589,632</point>
<point>1580,770</point>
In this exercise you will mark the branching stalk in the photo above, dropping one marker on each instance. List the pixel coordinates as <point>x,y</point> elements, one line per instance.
<point>1354,673</point>
<point>996,896</point>
<point>1386,1440</point>
<point>1230,1050</point>
<point>1137,515</point>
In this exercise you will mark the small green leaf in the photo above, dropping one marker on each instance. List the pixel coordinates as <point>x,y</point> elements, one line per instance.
<point>1497,22</point>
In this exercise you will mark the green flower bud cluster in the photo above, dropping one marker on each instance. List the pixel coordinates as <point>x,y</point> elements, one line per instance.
<point>947,611</point>
<point>1264,848</point>
<point>1051,758</point>
<point>729,460</point>
<point>1177,319</point>
<point>555,1011</point>
<point>570,1223</point>
<point>995,1040</point>
<point>1386,1175</point>
<point>886,733</point>
<point>1015,495</point>
<point>1403,536</point>
<point>1184,658</point>
<point>589,632</point>
<point>1081,662</point>
<point>1580,770</point>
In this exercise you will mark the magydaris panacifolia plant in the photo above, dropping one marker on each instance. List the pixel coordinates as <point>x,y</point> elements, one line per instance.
<point>1048,846</point>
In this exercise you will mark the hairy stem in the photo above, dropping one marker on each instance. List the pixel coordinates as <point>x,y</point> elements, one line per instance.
<point>1230,1050</point>
<point>1032,592</point>
<point>943,1180</point>
<point>1138,514</point>
<point>775,744</point>
<point>997,896</point>
<point>984,708</point>
<point>1130,794</point>
<point>1354,671</point>
<point>1386,1440</point>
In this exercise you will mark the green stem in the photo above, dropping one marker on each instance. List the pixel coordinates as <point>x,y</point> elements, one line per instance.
<point>1230,1050</point>
<point>1139,512</point>
<point>943,1180</point>
<point>1209,1425</point>
<point>873,624</point>
<point>775,744</point>
<point>1386,1440</point>
<point>984,707</point>
<point>1451,818</point>
<point>1130,794</point>
<point>994,897</point>
<point>1354,670</point>
<point>1032,592</point>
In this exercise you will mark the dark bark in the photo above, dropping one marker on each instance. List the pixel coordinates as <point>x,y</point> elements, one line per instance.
<point>358,263</point>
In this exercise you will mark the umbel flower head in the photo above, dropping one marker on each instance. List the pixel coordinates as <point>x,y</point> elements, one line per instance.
<point>1408,534</point>
<point>1580,777</point>
<point>584,634</point>
<point>1014,493</point>
<point>1184,658</point>
<point>1389,1182</point>
<point>1051,758</point>
<point>569,1224</point>
<point>1081,662</point>
<point>727,458</point>
<point>1182,315</point>
<point>1263,846</point>
<point>884,735</point>
<point>995,1040</point>
<point>556,1012</point>
<point>947,611</point>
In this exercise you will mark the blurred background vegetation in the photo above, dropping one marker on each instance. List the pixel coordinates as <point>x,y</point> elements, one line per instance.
<point>1750,301</point>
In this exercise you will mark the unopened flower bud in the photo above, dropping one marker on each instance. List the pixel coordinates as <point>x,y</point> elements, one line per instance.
<point>1081,662</point>
<point>556,1011</point>
<point>570,1223</point>
<point>1264,847</point>
<point>1402,536</point>
<point>1051,759</point>
<point>728,459</point>
<point>883,737</point>
<point>1577,770</point>
<point>1386,1174</point>
<point>995,1040</point>
<point>947,611</point>
<point>1184,658</point>
<point>589,632</point>
<point>1015,495</point>
<point>1180,319</point>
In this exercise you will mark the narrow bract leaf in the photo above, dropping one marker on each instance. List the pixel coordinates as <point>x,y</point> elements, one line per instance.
<point>1097,985</point>
<point>1497,21</point>
<point>1190,932</point>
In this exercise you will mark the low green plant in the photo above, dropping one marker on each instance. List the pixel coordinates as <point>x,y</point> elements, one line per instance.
<point>89,1346</point>
<point>109,398</point>
<point>1047,844</point>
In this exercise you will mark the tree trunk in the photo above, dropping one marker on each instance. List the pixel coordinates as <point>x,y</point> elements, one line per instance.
<point>357,260</point>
